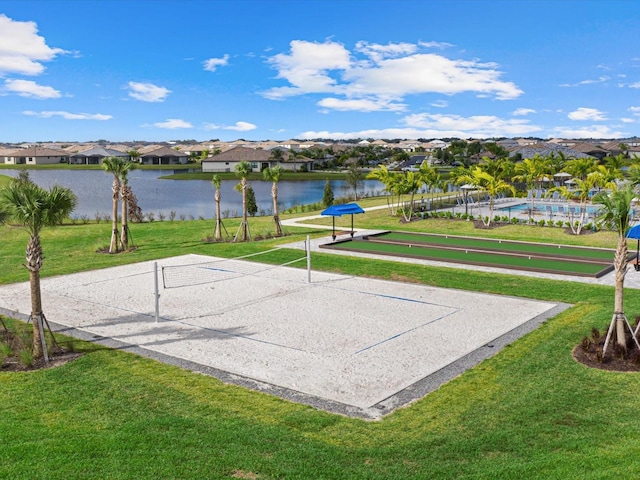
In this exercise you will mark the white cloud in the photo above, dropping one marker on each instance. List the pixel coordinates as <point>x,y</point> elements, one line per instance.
<point>68,115</point>
<point>635,110</point>
<point>172,124</point>
<point>147,92</point>
<point>21,48</point>
<point>378,52</point>
<point>212,63</point>
<point>628,120</point>
<point>440,45</point>
<point>601,79</point>
<point>361,105</point>
<point>593,131</point>
<point>523,111</point>
<point>440,104</point>
<point>634,85</point>
<point>238,126</point>
<point>438,126</point>
<point>584,113</point>
<point>383,75</point>
<point>30,89</point>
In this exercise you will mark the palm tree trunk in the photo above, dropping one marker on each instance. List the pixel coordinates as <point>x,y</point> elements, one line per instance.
<point>276,217</point>
<point>620,265</point>
<point>115,189</point>
<point>218,232</point>
<point>34,264</point>
<point>124,234</point>
<point>243,234</point>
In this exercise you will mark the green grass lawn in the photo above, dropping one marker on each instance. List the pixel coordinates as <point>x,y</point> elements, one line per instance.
<point>528,412</point>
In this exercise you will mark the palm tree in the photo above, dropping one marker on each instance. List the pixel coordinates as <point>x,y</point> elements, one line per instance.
<point>581,192</point>
<point>36,208</point>
<point>390,181</point>
<point>273,174</point>
<point>617,216</point>
<point>115,166</point>
<point>125,192</point>
<point>242,170</point>
<point>216,181</point>
<point>580,167</point>
<point>531,171</point>
<point>492,186</point>
<point>409,184</point>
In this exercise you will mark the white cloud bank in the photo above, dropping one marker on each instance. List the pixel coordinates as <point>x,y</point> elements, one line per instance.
<point>68,115</point>
<point>376,77</point>
<point>147,92</point>
<point>427,125</point>
<point>22,50</point>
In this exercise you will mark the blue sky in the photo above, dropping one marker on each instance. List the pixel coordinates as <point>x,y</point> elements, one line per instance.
<point>280,69</point>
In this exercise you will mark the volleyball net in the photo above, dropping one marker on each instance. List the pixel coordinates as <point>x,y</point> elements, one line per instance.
<point>223,269</point>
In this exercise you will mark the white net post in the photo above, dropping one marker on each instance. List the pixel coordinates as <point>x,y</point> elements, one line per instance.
<point>155,290</point>
<point>308,249</point>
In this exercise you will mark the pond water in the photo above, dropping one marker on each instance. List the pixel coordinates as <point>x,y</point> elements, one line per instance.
<point>189,198</point>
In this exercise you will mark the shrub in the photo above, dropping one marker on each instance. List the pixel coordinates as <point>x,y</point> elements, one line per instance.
<point>172,216</point>
<point>515,220</point>
<point>541,223</point>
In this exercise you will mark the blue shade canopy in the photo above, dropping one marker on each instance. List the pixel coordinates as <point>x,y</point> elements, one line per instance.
<point>634,232</point>
<point>345,209</point>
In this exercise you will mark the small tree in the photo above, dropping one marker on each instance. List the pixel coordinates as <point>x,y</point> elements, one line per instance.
<point>216,181</point>
<point>355,177</point>
<point>36,208</point>
<point>242,170</point>
<point>327,194</point>
<point>252,206</point>
<point>115,166</point>
<point>617,216</point>
<point>125,194</point>
<point>273,174</point>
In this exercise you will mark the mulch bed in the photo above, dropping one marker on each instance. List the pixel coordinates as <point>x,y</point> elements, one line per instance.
<point>56,359</point>
<point>589,353</point>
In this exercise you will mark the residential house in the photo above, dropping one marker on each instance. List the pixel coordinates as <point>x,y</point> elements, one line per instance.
<point>35,155</point>
<point>163,156</point>
<point>257,157</point>
<point>95,156</point>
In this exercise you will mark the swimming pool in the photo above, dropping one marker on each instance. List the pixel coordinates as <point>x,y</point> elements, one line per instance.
<point>550,208</point>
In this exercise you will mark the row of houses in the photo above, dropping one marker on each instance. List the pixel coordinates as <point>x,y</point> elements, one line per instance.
<point>260,154</point>
<point>36,155</point>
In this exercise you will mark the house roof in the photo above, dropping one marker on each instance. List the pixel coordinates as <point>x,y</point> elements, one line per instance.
<point>544,149</point>
<point>163,152</point>
<point>100,152</point>
<point>239,154</point>
<point>36,152</point>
